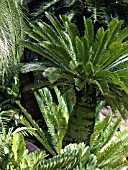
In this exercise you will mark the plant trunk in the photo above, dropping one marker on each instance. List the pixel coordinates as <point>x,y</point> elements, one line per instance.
<point>82,121</point>
<point>28,99</point>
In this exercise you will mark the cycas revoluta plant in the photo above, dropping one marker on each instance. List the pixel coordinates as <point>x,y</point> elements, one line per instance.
<point>93,66</point>
<point>56,117</point>
<point>11,31</point>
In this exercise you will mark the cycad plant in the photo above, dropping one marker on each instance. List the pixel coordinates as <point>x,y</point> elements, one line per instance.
<point>56,117</point>
<point>92,66</point>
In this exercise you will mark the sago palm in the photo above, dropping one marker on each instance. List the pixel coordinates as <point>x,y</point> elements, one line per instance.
<point>92,66</point>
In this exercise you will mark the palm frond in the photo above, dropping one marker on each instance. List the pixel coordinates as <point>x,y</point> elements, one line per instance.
<point>39,134</point>
<point>11,31</point>
<point>109,145</point>
<point>56,116</point>
<point>73,156</point>
<point>114,155</point>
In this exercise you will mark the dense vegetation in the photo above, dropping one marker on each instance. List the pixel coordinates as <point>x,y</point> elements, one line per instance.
<point>60,63</point>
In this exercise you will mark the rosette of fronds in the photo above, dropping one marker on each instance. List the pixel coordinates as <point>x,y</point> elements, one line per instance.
<point>90,63</point>
<point>11,31</point>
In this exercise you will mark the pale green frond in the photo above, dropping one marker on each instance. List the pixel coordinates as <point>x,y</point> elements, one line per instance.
<point>44,7</point>
<point>60,161</point>
<point>122,73</point>
<point>121,63</point>
<point>32,160</point>
<point>104,133</point>
<point>115,79</point>
<point>56,116</point>
<point>89,70</point>
<point>11,31</point>
<point>68,97</point>
<point>35,47</point>
<point>40,133</point>
<point>99,35</point>
<point>72,157</point>
<point>25,131</point>
<point>115,150</point>
<point>73,32</point>
<point>58,52</point>
<point>117,50</point>
<point>18,146</point>
<point>37,67</point>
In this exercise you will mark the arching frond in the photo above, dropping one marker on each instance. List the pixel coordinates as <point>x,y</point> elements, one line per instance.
<point>39,133</point>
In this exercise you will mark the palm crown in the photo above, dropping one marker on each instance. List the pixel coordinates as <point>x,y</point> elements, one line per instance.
<point>99,61</point>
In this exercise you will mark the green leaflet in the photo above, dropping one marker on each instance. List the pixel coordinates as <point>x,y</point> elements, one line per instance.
<point>113,28</point>
<point>18,146</point>
<point>89,69</point>
<point>122,73</point>
<point>58,52</point>
<point>117,50</point>
<point>79,50</point>
<point>89,31</point>
<point>73,33</point>
<point>101,47</point>
<point>55,74</point>
<point>122,35</point>
<point>99,127</point>
<point>86,55</point>
<point>37,48</point>
<point>99,35</point>
<point>46,32</point>
<point>58,27</point>
<point>109,152</point>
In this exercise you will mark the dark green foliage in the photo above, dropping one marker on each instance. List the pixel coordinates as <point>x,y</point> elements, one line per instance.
<point>93,65</point>
<point>100,63</point>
